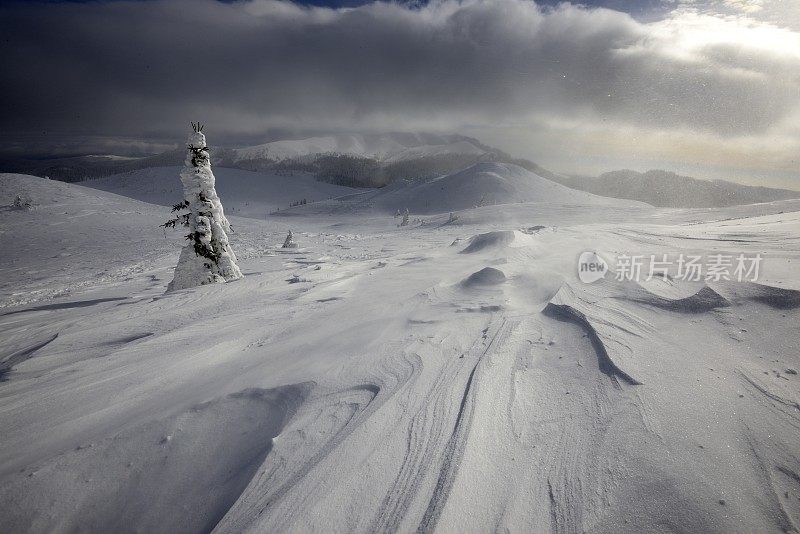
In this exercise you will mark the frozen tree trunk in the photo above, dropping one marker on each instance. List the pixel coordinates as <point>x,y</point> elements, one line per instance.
<point>207,258</point>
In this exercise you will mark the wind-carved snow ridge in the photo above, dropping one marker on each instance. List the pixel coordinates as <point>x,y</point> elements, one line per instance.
<point>781,479</point>
<point>318,430</point>
<point>780,298</point>
<point>613,327</point>
<point>8,362</point>
<point>207,258</point>
<point>563,306</point>
<point>704,300</point>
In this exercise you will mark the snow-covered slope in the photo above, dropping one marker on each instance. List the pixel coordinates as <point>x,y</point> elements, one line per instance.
<point>244,193</point>
<point>388,147</point>
<point>482,184</point>
<point>73,237</point>
<point>436,377</point>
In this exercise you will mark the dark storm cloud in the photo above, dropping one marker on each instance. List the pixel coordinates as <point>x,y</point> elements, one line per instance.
<point>147,68</point>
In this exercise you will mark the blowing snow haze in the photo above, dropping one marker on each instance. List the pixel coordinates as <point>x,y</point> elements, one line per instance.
<point>706,88</point>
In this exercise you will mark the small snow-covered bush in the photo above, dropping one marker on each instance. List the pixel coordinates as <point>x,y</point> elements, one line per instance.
<point>289,242</point>
<point>22,202</point>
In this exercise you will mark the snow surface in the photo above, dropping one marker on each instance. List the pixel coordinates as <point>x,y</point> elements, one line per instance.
<point>378,379</point>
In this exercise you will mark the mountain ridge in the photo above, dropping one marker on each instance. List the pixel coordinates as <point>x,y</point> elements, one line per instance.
<point>667,189</point>
<point>376,160</point>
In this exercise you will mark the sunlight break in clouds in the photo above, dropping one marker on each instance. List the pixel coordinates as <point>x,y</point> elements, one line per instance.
<point>553,76</point>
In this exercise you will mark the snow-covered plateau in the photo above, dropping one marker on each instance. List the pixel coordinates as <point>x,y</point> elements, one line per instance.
<point>453,374</point>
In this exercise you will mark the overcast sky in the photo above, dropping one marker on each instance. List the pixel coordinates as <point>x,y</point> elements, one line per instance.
<point>709,88</point>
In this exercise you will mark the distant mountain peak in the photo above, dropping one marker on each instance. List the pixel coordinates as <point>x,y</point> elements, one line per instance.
<point>668,189</point>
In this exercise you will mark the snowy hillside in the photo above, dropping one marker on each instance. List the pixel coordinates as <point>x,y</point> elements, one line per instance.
<point>254,194</point>
<point>450,377</point>
<point>387,147</point>
<point>482,184</point>
<point>72,238</point>
<point>397,155</point>
<point>245,193</point>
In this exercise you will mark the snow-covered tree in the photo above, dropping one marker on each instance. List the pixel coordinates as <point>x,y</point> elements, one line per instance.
<point>404,222</point>
<point>207,258</point>
<point>289,242</point>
